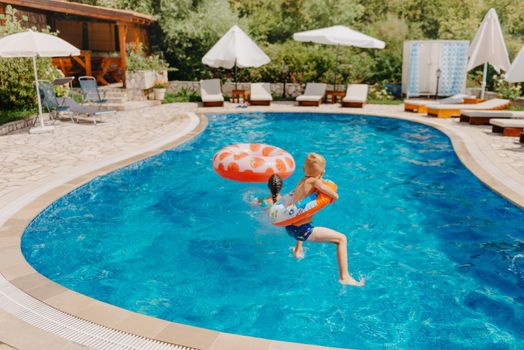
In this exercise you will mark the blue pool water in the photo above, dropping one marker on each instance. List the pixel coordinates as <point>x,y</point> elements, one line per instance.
<point>443,255</point>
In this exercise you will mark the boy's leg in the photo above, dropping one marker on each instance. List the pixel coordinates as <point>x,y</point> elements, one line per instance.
<point>323,234</point>
<point>298,252</point>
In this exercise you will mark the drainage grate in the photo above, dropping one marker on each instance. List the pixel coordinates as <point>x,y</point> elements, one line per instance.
<point>83,332</point>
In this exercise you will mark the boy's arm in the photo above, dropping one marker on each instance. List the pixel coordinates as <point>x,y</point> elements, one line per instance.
<point>321,187</point>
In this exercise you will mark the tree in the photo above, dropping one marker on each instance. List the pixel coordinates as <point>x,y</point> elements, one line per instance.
<point>191,30</point>
<point>188,28</point>
<point>17,90</point>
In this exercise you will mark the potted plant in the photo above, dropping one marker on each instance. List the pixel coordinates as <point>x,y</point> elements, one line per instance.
<point>142,70</point>
<point>159,89</point>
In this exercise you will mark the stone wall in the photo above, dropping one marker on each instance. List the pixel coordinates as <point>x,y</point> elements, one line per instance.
<point>144,79</point>
<point>137,94</point>
<point>177,85</point>
<point>17,125</point>
<point>519,102</point>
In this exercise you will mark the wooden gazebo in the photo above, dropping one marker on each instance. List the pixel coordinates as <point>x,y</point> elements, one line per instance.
<point>101,33</point>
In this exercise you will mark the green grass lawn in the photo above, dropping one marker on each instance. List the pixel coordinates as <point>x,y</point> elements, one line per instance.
<point>516,108</point>
<point>181,96</point>
<point>10,116</point>
<point>385,102</point>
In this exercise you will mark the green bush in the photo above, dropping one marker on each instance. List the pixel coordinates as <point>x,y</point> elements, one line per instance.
<point>378,92</point>
<point>17,89</point>
<point>385,102</point>
<point>187,29</point>
<point>312,62</point>
<point>181,95</point>
<point>169,98</point>
<point>506,90</point>
<point>138,61</point>
<point>10,116</point>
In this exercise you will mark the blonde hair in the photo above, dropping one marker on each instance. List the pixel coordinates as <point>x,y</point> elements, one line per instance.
<point>314,165</point>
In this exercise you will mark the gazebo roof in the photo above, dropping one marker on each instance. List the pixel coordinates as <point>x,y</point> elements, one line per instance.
<point>77,9</point>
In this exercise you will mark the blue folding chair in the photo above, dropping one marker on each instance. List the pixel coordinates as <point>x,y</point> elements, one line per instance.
<point>90,92</point>
<point>54,105</point>
<point>57,105</point>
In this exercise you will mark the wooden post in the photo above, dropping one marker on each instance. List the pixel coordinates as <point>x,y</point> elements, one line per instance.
<point>87,57</point>
<point>122,33</point>
<point>85,63</point>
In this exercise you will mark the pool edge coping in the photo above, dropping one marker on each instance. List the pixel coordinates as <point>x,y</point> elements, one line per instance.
<point>21,274</point>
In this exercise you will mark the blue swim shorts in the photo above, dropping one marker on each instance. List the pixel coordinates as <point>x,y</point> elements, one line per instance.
<point>300,233</point>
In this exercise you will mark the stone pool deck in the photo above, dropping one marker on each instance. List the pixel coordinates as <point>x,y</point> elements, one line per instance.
<point>37,169</point>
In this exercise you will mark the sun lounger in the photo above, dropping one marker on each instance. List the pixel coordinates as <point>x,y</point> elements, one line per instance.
<point>211,93</point>
<point>313,94</point>
<point>51,102</point>
<point>483,117</point>
<point>454,110</point>
<point>65,105</point>
<point>420,106</point>
<point>78,109</point>
<point>90,92</point>
<point>508,127</point>
<point>260,94</point>
<point>356,95</point>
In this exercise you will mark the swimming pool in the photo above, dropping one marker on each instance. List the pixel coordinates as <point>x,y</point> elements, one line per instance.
<point>167,237</point>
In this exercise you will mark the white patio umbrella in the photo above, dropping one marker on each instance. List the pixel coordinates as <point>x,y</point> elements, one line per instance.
<point>488,47</point>
<point>33,44</point>
<point>340,36</point>
<point>235,49</point>
<point>515,73</point>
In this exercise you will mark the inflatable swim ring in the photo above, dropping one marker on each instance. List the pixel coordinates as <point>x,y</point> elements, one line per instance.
<point>253,162</point>
<point>281,214</point>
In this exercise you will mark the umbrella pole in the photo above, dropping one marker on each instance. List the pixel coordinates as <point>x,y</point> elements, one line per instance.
<point>38,94</point>
<point>336,70</point>
<point>483,86</point>
<point>236,81</point>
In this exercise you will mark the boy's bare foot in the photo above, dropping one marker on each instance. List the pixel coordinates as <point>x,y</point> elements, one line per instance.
<point>350,281</point>
<point>298,253</point>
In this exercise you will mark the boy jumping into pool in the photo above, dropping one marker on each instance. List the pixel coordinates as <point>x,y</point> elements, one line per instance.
<point>314,168</point>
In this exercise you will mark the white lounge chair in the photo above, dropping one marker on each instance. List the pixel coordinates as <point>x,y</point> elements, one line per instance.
<point>483,117</point>
<point>508,127</point>
<point>211,93</point>
<point>356,95</point>
<point>454,110</point>
<point>420,106</point>
<point>260,94</point>
<point>313,94</point>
